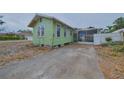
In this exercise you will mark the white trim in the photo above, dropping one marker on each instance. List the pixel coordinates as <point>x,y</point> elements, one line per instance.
<point>39,27</point>
<point>56,30</point>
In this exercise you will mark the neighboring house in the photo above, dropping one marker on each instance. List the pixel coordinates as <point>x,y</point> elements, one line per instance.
<point>115,36</point>
<point>96,36</point>
<point>26,34</point>
<point>49,31</point>
<point>7,33</point>
<point>119,31</point>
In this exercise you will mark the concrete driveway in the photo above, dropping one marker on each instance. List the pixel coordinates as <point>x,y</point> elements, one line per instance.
<point>63,63</point>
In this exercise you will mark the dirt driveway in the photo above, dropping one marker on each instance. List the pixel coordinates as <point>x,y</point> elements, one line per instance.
<point>63,63</point>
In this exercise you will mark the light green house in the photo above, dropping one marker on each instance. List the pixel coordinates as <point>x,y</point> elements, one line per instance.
<point>49,31</point>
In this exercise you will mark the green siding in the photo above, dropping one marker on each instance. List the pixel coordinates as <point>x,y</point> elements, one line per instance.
<point>50,29</point>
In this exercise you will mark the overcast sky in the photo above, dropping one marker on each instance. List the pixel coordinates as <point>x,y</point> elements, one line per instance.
<point>15,21</point>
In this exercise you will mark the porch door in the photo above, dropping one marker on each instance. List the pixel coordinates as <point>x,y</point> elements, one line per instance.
<point>89,38</point>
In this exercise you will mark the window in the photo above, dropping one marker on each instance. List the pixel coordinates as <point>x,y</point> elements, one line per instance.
<point>58,30</point>
<point>40,19</point>
<point>38,32</point>
<point>65,32</point>
<point>70,33</point>
<point>41,30</point>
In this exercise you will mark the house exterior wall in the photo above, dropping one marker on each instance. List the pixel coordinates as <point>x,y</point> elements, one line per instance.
<point>101,38</point>
<point>49,38</point>
<point>62,39</point>
<point>46,39</point>
<point>28,38</point>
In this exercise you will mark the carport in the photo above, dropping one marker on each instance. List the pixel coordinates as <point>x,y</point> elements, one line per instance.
<point>87,34</point>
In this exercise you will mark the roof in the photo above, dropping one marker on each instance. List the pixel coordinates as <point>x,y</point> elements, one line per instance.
<point>118,31</point>
<point>26,33</point>
<point>37,16</point>
<point>4,33</point>
<point>88,29</point>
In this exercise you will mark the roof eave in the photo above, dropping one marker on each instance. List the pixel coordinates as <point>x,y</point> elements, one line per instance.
<point>31,24</point>
<point>41,16</point>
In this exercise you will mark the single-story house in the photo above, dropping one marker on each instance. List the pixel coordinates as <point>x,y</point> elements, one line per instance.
<point>49,31</point>
<point>26,34</point>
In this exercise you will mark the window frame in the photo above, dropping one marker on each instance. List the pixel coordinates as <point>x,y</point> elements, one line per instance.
<point>65,31</point>
<point>71,33</point>
<point>57,30</point>
<point>40,19</point>
<point>38,31</point>
<point>41,30</point>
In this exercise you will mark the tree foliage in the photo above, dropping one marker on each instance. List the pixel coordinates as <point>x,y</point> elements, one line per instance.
<point>11,37</point>
<point>1,23</point>
<point>117,24</point>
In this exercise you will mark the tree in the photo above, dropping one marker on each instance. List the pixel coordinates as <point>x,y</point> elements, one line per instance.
<point>117,24</point>
<point>109,28</point>
<point>1,23</point>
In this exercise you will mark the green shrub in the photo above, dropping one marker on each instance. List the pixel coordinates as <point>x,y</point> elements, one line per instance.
<point>118,48</point>
<point>121,49</point>
<point>108,39</point>
<point>117,43</point>
<point>10,37</point>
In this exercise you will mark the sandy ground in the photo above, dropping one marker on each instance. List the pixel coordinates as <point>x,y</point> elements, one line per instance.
<point>111,62</point>
<point>63,63</point>
<point>18,50</point>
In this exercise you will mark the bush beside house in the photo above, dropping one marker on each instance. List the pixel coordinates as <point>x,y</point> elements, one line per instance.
<point>10,37</point>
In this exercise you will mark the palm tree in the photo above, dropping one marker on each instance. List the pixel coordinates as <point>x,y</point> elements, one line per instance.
<point>109,28</point>
<point>1,23</point>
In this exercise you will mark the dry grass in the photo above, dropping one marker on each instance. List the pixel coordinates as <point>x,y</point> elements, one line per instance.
<point>111,62</point>
<point>18,50</point>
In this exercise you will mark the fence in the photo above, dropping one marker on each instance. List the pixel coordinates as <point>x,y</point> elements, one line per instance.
<point>101,38</point>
